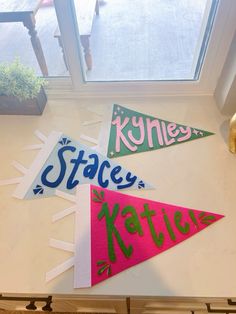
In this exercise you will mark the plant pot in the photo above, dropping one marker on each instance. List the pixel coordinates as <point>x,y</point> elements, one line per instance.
<point>11,105</point>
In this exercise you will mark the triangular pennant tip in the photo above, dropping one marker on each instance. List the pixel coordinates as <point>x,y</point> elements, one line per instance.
<point>115,231</point>
<point>63,163</point>
<point>133,132</point>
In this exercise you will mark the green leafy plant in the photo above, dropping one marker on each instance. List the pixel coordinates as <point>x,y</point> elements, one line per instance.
<point>19,80</point>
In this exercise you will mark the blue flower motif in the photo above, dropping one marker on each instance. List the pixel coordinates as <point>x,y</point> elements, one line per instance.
<point>38,189</point>
<point>64,141</point>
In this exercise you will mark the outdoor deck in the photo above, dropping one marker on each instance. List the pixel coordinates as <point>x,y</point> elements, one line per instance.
<point>138,39</point>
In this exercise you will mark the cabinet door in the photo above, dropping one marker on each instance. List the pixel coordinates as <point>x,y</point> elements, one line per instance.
<point>90,305</point>
<point>19,306</point>
<point>74,304</point>
<point>152,305</point>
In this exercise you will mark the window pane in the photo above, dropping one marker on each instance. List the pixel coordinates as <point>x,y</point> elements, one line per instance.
<point>15,38</point>
<point>144,39</point>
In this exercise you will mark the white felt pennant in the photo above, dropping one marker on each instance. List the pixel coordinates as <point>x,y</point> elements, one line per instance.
<point>63,163</point>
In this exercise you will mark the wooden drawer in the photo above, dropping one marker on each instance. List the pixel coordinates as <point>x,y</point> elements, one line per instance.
<point>90,305</point>
<point>76,304</point>
<point>179,306</point>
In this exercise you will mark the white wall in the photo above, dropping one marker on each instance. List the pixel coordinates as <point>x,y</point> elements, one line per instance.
<point>225,93</point>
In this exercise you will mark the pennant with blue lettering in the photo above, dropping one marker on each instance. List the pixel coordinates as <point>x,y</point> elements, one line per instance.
<point>63,163</point>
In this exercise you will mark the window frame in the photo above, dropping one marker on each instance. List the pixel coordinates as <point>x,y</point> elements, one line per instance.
<point>215,56</point>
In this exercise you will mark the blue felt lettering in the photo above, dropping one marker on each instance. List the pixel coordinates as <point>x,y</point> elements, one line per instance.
<point>131,180</point>
<point>104,164</point>
<point>54,184</point>
<point>114,172</point>
<point>91,170</point>
<point>71,183</point>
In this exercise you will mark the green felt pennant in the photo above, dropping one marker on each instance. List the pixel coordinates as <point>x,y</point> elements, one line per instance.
<point>134,132</point>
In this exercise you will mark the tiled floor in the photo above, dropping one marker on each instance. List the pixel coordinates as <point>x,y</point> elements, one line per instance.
<point>131,40</point>
<point>145,39</point>
<point>15,42</point>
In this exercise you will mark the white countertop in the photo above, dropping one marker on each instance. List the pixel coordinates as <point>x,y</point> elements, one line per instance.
<point>198,174</point>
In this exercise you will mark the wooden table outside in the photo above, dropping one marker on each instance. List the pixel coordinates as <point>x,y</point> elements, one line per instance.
<point>24,11</point>
<point>85,10</point>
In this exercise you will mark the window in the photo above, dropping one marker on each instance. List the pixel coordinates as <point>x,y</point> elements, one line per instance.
<point>148,40</point>
<point>28,33</point>
<point>208,52</point>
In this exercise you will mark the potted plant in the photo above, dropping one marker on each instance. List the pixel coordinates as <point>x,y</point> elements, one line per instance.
<point>21,91</point>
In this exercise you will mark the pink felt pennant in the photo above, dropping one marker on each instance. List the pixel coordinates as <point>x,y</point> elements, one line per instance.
<point>127,230</point>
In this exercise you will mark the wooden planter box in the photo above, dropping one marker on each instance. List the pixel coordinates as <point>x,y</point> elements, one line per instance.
<point>12,105</point>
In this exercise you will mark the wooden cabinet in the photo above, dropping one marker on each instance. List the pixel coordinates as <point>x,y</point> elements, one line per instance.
<point>124,305</point>
<point>90,305</point>
<point>180,306</point>
<point>115,305</point>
